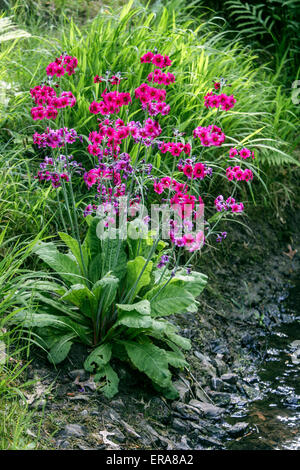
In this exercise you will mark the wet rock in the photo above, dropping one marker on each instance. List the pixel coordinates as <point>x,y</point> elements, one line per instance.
<point>230,378</point>
<point>206,409</point>
<point>73,430</point>
<point>238,429</point>
<point>208,441</point>
<point>221,398</point>
<point>247,340</point>
<point>205,366</point>
<point>63,444</point>
<point>218,346</point>
<point>219,364</point>
<point>184,390</point>
<point>220,386</point>
<point>180,426</point>
<point>159,410</point>
<point>118,435</point>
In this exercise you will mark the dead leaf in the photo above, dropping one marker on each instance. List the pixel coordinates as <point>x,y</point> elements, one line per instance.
<point>106,441</point>
<point>291,253</point>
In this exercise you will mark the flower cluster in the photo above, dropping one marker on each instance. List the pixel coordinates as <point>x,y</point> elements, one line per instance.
<point>58,169</point>
<point>146,94</point>
<point>115,134</point>
<point>230,203</point>
<point>113,80</point>
<point>161,78</point>
<point>61,65</point>
<point>190,170</point>
<point>175,148</point>
<point>156,59</point>
<point>163,261</point>
<point>243,153</point>
<point>55,138</point>
<point>215,101</point>
<point>237,173</point>
<point>157,108</point>
<point>221,237</point>
<point>210,135</point>
<point>46,95</point>
<point>111,104</point>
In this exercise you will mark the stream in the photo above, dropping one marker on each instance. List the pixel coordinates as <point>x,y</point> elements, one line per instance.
<point>274,416</point>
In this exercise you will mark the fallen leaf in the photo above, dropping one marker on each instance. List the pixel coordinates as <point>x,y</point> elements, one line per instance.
<point>291,253</point>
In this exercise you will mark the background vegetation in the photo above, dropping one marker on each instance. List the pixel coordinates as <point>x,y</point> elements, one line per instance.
<point>254,46</point>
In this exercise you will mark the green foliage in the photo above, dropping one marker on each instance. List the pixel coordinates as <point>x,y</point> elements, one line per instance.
<point>120,314</point>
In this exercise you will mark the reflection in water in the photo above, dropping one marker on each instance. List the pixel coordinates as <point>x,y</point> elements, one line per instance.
<point>275,417</point>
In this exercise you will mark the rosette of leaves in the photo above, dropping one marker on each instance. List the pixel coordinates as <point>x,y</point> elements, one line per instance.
<point>118,309</point>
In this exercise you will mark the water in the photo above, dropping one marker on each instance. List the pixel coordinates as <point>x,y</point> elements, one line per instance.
<point>274,418</point>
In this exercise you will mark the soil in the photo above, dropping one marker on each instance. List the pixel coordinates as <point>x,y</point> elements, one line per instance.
<point>250,277</point>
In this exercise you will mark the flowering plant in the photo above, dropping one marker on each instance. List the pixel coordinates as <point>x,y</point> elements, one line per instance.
<point>113,290</point>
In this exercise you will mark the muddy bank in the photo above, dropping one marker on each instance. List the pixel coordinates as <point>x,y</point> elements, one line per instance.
<point>250,279</point>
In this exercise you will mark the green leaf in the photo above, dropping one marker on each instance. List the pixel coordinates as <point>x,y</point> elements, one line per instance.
<point>98,358</point>
<point>134,269</point>
<point>60,349</point>
<point>194,282</point>
<point>134,320</point>
<point>83,298</point>
<point>112,380</point>
<point>142,307</point>
<point>172,299</point>
<point>41,320</point>
<point>105,291</point>
<point>175,360</point>
<point>95,268</point>
<point>151,360</point>
<point>114,258</point>
<point>74,247</point>
<point>64,264</point>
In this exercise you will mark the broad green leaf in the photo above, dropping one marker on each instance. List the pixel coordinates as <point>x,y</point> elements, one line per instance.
<point>83,298</point>
<point>112,380</point>
<point>151,360</point>
<point>60,349</point>
<point>95,268</point>
<point>134,320</point>
<point>170,300</point>
<point>65,265</point>
<point>41,320</point>
<point>175,360</point>
<point>142,307</point>
<point>74,247</point>
<point>194,282</point>
<point>105,291</point>
<point>134,270</point>
<point>113,257</point>
<point>98,358</point>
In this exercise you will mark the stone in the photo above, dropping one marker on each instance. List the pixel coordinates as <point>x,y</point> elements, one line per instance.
<point>158,410</point>
<point>118,435</point>
<point>183,389</point>
<point>230,378</point>
<point>238,429</point>
<point>206,409</point>
<point>180,425</point>
<point>219,386</point>
<point>73,430</point>
<point>221,398</point>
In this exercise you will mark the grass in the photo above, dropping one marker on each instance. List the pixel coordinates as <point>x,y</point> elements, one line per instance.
<point>15,419</point>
